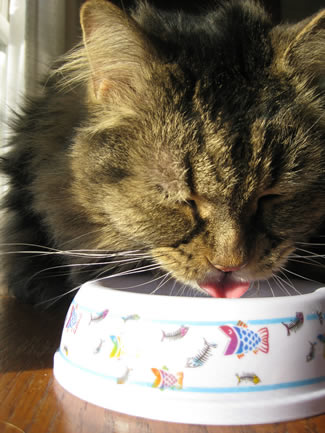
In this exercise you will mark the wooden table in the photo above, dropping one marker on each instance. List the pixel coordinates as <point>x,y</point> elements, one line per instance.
<point>32,402</point>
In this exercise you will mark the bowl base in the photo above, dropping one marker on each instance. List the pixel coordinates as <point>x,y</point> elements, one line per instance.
<point>183,407</point>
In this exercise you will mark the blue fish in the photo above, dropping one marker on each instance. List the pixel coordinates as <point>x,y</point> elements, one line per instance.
<point>244,340</point>
<point>321,338</point>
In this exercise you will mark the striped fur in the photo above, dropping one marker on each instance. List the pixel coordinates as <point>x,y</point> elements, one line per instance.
<point>195,139</point>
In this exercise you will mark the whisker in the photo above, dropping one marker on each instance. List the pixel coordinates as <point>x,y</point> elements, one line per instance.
<point>172,289</point>
<point>310,262</point>
<point>57,298</point>
<point>130,272</point>
<point>307,256</point>
<point>144,284</point>
<point>84,253</point>
<point>299,276</point>
<point>121,264</point>
<point>192,291</point>
<point>316,244</point>
<point>280,285</point>
<point>288,282</point>
<point>182,290</point>
<point>187,290</point>
<point>162,283</point>
<point>73,265</point>
<point>252,293</point>
<point>77,253</point>
<point>98,230</point>
<point>310,253</point>
<point>272,291</point>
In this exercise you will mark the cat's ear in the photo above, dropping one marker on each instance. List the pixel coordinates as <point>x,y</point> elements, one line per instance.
<point>306,51</point>
<point>119,54</point>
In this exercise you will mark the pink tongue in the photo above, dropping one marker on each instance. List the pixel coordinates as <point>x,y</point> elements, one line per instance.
<point>233,289</point>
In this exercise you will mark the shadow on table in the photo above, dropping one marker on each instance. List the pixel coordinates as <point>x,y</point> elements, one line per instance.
<point>28,337</point>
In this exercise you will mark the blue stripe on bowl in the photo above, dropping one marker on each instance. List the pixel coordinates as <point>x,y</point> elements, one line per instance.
<point>208,390</point>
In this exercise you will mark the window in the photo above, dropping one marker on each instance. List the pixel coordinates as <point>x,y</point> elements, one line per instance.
<point>4,39</point>
<point>32,34</point>
<point>12,47</point>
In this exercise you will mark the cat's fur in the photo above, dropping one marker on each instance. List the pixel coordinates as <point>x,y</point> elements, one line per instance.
<point>197,140</point>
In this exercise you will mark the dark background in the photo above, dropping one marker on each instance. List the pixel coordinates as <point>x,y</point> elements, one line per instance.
<point>280,10</point>
<point>287,10</point>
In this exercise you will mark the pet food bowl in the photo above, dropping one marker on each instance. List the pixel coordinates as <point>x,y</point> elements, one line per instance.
<point>193,359</point>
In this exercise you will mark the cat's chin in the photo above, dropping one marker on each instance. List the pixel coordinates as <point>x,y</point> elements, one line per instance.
<point>224,289</point>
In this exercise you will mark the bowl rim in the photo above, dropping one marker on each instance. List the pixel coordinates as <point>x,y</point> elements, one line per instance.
<point>153,298</point>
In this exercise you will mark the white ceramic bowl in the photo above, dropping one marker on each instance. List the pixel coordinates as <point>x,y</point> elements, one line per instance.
<point>194,359</point>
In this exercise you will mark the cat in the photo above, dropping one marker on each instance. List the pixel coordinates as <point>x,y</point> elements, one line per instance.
<point>190,143</point>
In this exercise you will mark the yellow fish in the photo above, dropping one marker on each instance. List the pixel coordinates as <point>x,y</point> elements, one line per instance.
<point>248,378</point>
<point>117,347</point>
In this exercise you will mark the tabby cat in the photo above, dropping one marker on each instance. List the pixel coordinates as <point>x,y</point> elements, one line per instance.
<point>192,143</point>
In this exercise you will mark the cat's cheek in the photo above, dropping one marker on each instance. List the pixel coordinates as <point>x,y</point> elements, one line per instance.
<point>266,265</point>
<point>184,264</point>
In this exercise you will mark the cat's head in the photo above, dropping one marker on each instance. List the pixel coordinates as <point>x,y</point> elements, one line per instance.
<point>206,138</point>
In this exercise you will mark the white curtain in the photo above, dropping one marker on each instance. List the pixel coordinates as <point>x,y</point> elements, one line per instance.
<point>44,39</point>
<point>4,40</point>
<point>51,30</point>
<point>39,31</point>
<point>15,72</point>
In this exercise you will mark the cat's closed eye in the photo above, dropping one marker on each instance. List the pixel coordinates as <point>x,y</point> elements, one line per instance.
<point>191,203</point>
<point>267,197</point>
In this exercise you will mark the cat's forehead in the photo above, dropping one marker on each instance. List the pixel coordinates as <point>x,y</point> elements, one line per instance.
<point>249,152</point>
<point>218,36</point>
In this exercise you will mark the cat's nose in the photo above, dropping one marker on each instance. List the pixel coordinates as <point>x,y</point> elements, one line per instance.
<point>229,268</point>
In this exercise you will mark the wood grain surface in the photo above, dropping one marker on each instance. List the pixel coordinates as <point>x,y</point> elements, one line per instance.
<point>32,402</point>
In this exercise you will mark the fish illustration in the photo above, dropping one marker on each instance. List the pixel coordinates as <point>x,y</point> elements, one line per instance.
<point>73,320</point>
<point>311,354</point>
<point>320,317</point>
<point>98,317</point>
<point>123,379</point>
<point>117,347</point>
<point>176,335</point>
<point>98,347</point>
<point>131,317</point>
<point>321,338</point>
<point>295,324</point>
<point>166,380</point>
<point>248,377</point>
<point>244,340</point>
<point>202,356</point>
